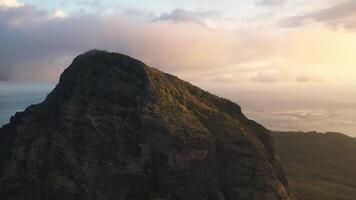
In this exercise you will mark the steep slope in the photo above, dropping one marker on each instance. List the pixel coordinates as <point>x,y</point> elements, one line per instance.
<point>114,128</point>
<point>319,166</point>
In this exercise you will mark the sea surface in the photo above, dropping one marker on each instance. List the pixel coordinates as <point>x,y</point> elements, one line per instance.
<point>16,96</point>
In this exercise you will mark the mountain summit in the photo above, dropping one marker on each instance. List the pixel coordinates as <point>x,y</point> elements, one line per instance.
<point>115,128</point>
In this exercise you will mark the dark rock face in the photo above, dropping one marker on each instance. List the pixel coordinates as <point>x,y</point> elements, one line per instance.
<point>114,128</point>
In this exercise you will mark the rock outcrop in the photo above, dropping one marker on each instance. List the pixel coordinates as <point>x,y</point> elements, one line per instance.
<point>114,128</point>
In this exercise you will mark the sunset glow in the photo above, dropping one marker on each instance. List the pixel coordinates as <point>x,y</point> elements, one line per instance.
<point>283,61</point>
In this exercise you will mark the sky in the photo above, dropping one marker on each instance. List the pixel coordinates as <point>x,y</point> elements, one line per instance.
<point>290,64</point>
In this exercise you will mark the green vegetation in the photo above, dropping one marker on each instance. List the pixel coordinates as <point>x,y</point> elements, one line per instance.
<point>319,166</point>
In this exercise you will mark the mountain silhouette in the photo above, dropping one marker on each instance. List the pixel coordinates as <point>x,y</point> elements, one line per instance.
<point>115,128</point>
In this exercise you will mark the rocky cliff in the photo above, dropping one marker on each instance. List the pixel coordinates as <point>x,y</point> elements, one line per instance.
<point>114,128</point>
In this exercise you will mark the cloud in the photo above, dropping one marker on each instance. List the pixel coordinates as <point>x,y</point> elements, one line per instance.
<point>348,123</point>
<point>309,78</point>
<point>37,46</point>
<point>38,43</point>
<point>59,14</point>
<point>10,3</point>
<point>225,79</point>
<point>266,77</point>
<point>342,12</point>
<point>270,3</point>
<point>17,15</point>
<point>181,15</point>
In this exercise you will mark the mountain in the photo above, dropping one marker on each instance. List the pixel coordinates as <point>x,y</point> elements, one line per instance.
<point>115,128</point>
<point>319,165</point>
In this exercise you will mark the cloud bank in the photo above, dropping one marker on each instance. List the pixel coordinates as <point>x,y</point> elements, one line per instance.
<point>38,45</point>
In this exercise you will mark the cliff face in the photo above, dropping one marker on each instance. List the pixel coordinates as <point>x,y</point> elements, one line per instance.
<point>114,128</point>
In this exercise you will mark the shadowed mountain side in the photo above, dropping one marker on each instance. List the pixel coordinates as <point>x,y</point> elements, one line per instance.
<point>319,166</point>
<point>114,128</point>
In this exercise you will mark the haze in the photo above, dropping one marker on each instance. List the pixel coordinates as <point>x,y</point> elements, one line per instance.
<point>289,64</point>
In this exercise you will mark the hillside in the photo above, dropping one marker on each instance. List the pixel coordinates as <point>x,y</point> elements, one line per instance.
<point>319,166</point>
<point>115,128</point>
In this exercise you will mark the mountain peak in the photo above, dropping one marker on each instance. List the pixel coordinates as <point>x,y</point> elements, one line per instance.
<point>114,128</point>
<point>103,60</point>
<point>95,51</point>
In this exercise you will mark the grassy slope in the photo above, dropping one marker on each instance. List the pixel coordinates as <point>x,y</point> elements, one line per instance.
<point>319,166</point>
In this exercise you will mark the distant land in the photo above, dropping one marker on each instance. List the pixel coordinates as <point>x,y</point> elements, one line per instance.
<point>319,166</point>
